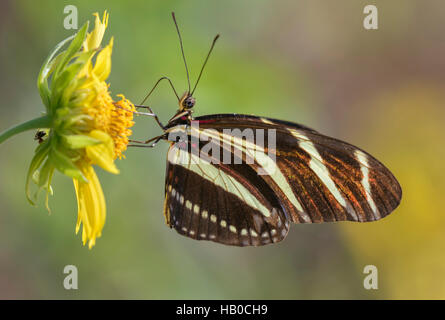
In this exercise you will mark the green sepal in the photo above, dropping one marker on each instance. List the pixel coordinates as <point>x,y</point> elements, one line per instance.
<point>44,173</point>
<point>44,180</point>
<point>36,162</point>
<point>80,119</point>
<point>73,48</point>
<point>58,63</point>
<point>49,189</point>
<point>46,70</point>
<point>62,82</point>
<point>78,141</point>
<point>66,166</point>
<point>67,93</point>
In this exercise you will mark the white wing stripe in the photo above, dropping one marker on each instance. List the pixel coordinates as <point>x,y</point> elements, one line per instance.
<point>319,168</point>
<point>363,159</point>
<point>218,177</point>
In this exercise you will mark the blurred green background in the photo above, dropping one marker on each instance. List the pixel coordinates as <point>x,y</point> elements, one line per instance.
<point>308,61</point>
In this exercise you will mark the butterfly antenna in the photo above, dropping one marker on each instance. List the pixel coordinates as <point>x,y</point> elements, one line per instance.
<point>205,62</point>
<point>182,49</point>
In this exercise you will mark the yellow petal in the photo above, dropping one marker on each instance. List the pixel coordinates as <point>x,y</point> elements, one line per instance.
<point>91,206</point>
<point>94,39</point>
<point>102,154</point>
<point>76,188</point>
<point>82,209</point>
<point>102,67</point>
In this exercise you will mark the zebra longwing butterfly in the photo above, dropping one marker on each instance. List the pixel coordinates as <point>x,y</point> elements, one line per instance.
<point>251,197</point>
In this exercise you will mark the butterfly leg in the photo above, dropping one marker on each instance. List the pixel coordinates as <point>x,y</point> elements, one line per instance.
<point>151,114</point>
<point>147,144</point>
<point>148,95</point>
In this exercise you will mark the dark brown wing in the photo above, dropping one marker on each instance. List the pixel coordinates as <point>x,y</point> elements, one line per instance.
<point>306,177</point>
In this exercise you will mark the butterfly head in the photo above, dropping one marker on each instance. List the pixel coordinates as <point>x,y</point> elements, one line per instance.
<point>186,102</point>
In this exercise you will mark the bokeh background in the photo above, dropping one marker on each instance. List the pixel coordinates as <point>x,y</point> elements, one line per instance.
<point>308,61</point>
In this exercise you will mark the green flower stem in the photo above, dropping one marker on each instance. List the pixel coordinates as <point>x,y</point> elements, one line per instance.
<point>37,123</point>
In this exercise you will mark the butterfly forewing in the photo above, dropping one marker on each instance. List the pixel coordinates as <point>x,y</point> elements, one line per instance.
<point>306,178</point>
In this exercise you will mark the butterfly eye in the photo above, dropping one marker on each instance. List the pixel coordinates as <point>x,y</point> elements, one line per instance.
<point>189,103</point>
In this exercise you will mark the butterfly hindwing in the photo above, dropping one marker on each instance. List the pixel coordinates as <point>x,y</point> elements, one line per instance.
<point>217,202</point>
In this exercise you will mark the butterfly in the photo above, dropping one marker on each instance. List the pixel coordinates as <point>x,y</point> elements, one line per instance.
<point>221,186</point>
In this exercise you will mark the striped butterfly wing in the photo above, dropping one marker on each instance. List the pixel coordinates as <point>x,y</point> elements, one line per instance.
<point>334,180</point>
<point>227,204</point>
<point>318,178</point>
<point>311,178</point>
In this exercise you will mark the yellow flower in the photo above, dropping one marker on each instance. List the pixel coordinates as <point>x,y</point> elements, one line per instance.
<point>84,126</point>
